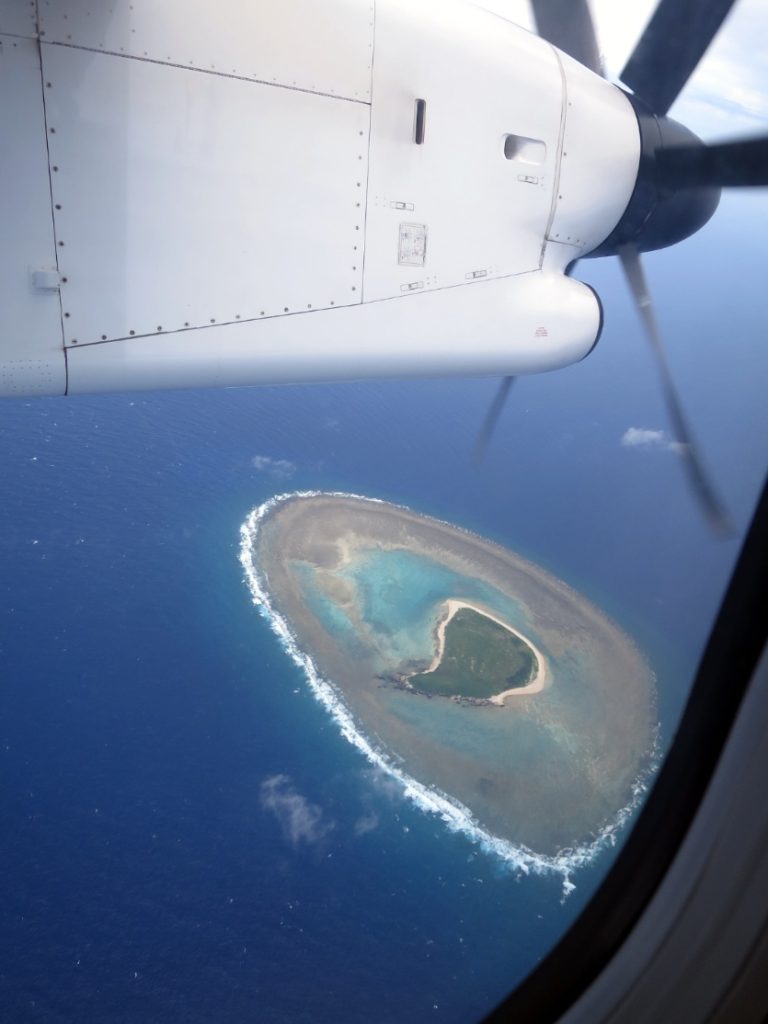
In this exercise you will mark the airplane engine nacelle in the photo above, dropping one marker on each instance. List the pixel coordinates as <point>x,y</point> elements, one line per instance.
<point>196,207</point>
<point>516,325</point>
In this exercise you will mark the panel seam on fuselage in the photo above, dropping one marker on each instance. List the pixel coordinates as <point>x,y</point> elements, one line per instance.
<point>53,218</point>
<point>207,71</point>
<point>311,312</point>
<point>368,162</point>
<point>559,158</point>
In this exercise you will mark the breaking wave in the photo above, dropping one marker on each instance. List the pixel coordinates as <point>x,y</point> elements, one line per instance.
<point>454,814</point>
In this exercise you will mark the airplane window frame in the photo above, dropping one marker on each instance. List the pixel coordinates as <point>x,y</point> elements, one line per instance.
<point>736,642</point>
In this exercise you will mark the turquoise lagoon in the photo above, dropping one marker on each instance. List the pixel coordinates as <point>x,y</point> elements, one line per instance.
<point>400,597</point>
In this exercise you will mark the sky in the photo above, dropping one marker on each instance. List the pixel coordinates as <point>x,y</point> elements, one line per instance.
<point>727,94</point>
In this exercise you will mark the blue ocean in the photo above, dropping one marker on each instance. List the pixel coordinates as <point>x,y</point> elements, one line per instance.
<point>186,836</point>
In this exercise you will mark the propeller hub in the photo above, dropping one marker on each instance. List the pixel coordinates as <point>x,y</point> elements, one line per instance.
<point>663,208</point>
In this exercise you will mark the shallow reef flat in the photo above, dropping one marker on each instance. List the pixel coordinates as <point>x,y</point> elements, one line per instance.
<point>362,586</point>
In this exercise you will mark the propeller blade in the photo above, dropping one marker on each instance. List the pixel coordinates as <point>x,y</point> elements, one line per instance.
<point>491,419</point>
<point>669,50</point>
<point>724,165</point>
<point>568,25</point>
<point>702,487</point>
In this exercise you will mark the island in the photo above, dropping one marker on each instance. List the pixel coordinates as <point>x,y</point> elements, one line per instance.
<point>478,656</point>
<point>501,698</point>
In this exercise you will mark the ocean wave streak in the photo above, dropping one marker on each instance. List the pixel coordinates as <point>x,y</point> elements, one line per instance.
<point>454,814</point>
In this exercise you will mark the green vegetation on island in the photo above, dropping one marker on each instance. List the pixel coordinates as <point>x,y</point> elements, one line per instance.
<point>480,659</point>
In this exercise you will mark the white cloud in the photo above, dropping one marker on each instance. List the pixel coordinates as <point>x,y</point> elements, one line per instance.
<point>366,823</point>
<point>383,783</point>
<point>300,821</point>
<point>726,94</point>
<point>641,437</point>
<point>281,469</point>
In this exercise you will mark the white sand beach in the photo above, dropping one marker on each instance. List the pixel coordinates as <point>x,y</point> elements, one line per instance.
<point>449,609</point>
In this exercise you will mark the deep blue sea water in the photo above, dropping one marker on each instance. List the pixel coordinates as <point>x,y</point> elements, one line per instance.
<point>144,704</point>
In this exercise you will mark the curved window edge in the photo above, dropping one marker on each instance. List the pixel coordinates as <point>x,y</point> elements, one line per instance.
<point>733,651</point>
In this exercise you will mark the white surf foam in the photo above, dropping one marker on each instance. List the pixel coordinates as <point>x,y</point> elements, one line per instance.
<point>454,814</point>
